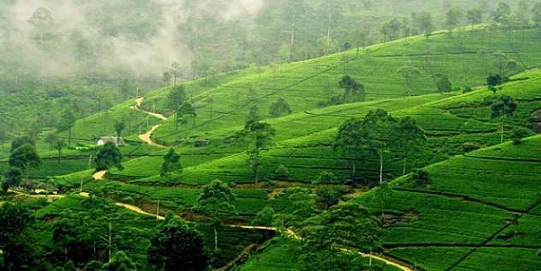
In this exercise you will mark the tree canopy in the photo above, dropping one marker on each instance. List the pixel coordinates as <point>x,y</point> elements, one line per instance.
<point>171,163</point>
<point>108,156</point>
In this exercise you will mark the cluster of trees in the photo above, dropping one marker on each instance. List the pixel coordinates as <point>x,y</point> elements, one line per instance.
<point>90,239</point>
<point>376,134</point>
<point>353,91</point>
<point>324,238</point>
<point>181,107</point>
<point>23,156</point>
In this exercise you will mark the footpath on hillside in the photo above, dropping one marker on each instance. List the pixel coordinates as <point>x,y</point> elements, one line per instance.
<point>146,137</point>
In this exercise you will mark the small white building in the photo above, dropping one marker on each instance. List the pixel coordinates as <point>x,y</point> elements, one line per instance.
<point>119,141</point>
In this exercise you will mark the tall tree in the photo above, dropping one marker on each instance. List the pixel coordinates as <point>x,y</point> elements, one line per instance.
<point>425,23</point>
<point>43,20</point>
<point>494,81</point>
<point>185,110</point>
<point>503,107</point>
<point>502,16</point>
<point>177,246</point>
<point>216,201</point>
<point>19,141</point>
<point>536,14</point>
<point>176,72</point>
<point>171,163</point>
<point>474,16</point>
<point>409,73</point>
<point>120,124</point>
<point>15,242</point>
<point>344,228</point>
<point>176,97</point>
<point>353,90</point>
<point>257,136</point>
<point>120,262</point>
<point>411,138</point>
<point>12,177</point>
<point>58,146</point>
<point>108,156</point>
<point>25,157</point>
<point>453,18</point>
<point>66,122</point>
<point>377,132</point>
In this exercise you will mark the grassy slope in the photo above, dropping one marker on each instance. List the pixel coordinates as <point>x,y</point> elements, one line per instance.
<point>449,121</point>
<point>479,211</point>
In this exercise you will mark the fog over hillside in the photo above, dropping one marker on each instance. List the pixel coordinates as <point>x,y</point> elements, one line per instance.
<point>64,37</point>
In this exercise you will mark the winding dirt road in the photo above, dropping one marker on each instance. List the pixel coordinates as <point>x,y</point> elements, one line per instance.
<point>146,137</point>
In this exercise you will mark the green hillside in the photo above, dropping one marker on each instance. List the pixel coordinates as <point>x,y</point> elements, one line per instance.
<point>479,210</point>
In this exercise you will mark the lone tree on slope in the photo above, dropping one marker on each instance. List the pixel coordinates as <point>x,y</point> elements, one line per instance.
<point>108,156</point>
<point>502,107</point>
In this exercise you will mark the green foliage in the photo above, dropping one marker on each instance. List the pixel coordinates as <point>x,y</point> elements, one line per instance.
<point>302,205</point>
<point>120,262</point>
<point>176,97</point>
<point>12,178</point>
<point>120,125</point>
<point>20,141</point>
<point>409,74</point>
<point>325,177</point>
<point>443,84</point>
<point>171,163</point>
<point>502,106</point>
<point>280,108</point>
<point>518,134</point>
<point>25,157</point>
<point>185,109</point>
<point>258,137</point>
<point>328,196</point>
<point>265,217</point>
<point>14,219</point>
<point>348,225</point>
<point>420,177</point>
<point>108,156</point>
<point>493,81</point>
<point>216,200</point>
<point>177,246</point>
<point>281,173</point>
<point>353,90</point>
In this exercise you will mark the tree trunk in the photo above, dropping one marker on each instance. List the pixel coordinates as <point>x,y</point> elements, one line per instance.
<point>215,239</point>
<point>501,133</point>
<point>381,166</point>
<point>69,136</point>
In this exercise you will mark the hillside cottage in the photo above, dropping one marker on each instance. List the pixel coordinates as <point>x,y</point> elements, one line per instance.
<point>119,141</point>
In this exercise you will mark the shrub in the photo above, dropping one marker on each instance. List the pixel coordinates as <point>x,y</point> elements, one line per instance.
<point>420,177</point>
<point>281,173</point>
<point>467,89</point>
<point>325,177</point>
<point>469,146</point>
<point>280,108</point>
<point>518,134</point>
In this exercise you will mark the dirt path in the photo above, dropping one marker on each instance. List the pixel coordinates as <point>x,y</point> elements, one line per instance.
<point>137,107</point>
<point>138,210</point>
<point>146,137</point>
<point>99,175</point>
<point>288,232</point>
<point>292,234</point>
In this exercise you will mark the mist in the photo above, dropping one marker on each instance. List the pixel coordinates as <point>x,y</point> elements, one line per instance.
<point>66,38</point>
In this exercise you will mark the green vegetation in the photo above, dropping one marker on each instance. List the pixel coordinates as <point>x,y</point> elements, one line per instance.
<point>418,148</point>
